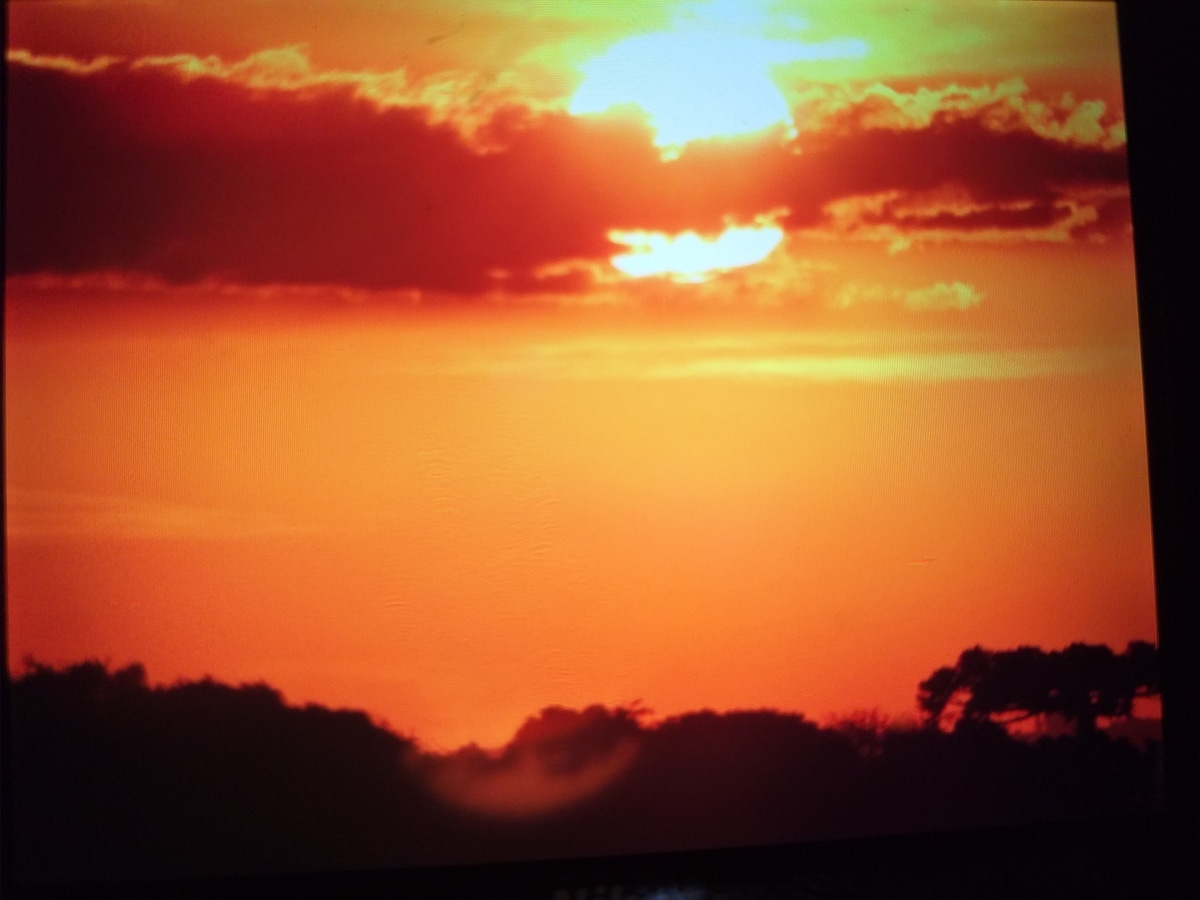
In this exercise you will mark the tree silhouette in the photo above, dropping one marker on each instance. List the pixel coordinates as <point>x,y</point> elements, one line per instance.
<point>116,778</point>
<point>1081,683</point>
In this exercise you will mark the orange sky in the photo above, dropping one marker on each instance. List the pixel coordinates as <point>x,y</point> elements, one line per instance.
<point>320,370</point>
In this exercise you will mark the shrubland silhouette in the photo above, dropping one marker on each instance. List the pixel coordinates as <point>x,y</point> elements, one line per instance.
<point>113,777</point>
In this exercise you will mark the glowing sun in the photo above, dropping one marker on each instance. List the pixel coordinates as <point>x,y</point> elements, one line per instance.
<point>690,86</point>
<point>709,76</point>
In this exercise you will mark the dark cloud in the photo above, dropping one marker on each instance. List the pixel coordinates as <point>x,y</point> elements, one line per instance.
<point>225,175</point>
<point>996,169</point>
<point>144,171</point>
<point>1112,218</point>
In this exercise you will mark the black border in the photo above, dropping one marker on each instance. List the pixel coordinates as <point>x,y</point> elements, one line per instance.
<point>1160,67</point>
<point>1151,855</point>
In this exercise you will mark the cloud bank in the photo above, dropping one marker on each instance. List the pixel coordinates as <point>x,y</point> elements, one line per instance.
<point>265,171</point>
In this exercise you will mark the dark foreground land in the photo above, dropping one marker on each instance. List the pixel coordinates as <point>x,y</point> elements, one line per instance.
<point>113,778</point>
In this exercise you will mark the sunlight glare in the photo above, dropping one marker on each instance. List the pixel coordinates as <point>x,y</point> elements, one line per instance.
<point>689,86</point>
<point>688,257</point>
<point>709,76</point>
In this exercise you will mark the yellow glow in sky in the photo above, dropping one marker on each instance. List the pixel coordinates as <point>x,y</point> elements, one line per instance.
<point>690,257</point>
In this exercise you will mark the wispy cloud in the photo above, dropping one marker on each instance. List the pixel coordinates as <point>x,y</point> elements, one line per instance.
<point>1009,106</point>
<point>942,296</point>
<point>819,357</point>
<point>39,513</point>
<point>978,366</point>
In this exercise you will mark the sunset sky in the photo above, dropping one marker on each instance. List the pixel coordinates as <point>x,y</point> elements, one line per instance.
<point>450,360</point>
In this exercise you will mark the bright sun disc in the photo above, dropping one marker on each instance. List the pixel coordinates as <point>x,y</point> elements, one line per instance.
<point>710,75</point>
<point>691,86</point>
